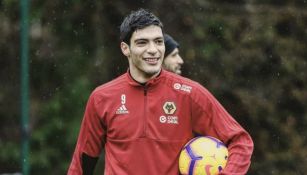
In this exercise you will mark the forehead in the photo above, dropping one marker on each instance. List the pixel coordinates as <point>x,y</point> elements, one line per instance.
<point>149,32</point>
<point>176,50</point>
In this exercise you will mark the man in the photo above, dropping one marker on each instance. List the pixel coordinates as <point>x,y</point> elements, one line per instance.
<point>172,60</point>
<point>144,117</point>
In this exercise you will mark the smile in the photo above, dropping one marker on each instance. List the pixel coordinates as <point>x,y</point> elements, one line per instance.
<point>151,60</point>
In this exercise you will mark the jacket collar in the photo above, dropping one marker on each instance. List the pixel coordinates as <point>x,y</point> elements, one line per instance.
<point>149,83</point>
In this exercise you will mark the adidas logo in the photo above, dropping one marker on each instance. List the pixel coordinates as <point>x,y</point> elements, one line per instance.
<point>122,110</point>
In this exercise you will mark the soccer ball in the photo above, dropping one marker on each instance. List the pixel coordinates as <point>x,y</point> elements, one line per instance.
<point>203,155</point>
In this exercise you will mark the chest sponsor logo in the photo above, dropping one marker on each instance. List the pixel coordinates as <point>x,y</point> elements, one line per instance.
<point>169,107</point>
<point>169,119</point>
<point>122,109</point>
<point>182,87</point>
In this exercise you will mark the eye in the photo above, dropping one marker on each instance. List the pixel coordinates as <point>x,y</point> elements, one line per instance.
<point>159,41</point>
<point>175,54</point>
<point>141,43</point>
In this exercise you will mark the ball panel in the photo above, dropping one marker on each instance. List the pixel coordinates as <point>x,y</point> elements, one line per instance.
<point>184,162</point>
<point>203,156</point>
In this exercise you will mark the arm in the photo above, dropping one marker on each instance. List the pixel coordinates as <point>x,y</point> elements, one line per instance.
<point>210,118</point>
<point>90,141</point>
<point>88,164</point>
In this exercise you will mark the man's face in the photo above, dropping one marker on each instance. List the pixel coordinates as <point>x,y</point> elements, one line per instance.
<point>145,53</point>
<point>173,62</point>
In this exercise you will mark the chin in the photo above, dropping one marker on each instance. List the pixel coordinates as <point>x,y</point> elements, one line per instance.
<point>152,71</point>
<point>178,72</point>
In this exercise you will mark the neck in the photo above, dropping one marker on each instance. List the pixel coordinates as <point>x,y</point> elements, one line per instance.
<point>142,77</point>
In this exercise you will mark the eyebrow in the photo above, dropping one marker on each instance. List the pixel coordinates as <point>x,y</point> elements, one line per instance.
<point>140,39</point>
<point>146,39</point>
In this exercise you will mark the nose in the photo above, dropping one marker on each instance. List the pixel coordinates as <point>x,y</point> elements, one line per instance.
<point>180,60</point>
<point>152,48</point>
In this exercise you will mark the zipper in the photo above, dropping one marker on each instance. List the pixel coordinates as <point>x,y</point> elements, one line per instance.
<point>145,91</point>
<point>145,112</point>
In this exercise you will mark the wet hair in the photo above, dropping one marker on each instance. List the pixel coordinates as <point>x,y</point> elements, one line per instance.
<point>137,20</point>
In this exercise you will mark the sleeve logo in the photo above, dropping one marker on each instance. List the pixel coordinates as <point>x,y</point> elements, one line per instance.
<point>182,87</point>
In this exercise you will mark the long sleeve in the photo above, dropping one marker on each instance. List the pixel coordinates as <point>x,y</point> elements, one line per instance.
<point>89,142</point>
<point>210,118</point>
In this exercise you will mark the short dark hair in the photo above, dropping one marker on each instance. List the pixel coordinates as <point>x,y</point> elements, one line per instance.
<point>137,20</point>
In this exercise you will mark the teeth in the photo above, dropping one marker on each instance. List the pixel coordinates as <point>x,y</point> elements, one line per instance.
<point>151,59</point>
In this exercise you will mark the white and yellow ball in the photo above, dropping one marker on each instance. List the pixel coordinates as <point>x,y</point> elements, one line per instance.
<point>203,155</point>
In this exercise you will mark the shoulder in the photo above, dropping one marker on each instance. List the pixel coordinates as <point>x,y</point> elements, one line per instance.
<point>191,88</point>
<point>181,83</point>
<point>199,94</point>
<point>117,82</point>
<point>109,88</point>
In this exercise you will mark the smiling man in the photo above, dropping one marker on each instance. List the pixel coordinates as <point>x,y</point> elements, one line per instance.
<point>145,53</point>
<point>143,118</point>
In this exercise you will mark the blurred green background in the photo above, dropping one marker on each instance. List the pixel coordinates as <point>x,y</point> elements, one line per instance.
<point>252,55</point>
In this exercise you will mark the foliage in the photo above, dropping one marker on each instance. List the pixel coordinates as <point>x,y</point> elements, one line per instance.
<point>250,55</point>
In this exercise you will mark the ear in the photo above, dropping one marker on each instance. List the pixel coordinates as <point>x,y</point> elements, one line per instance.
<point>125,49</point>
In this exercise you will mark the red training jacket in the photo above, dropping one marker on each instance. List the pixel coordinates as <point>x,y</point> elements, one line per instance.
<point>143,128</point>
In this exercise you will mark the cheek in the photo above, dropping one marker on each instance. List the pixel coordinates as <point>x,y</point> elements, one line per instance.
<point>173,60</point>
<point>167,62</point>
<point>136,50</point>
<point>162,49</point>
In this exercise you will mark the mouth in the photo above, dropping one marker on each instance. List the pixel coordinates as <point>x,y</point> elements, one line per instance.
<point>178,70</point>
<point>151,60</point>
